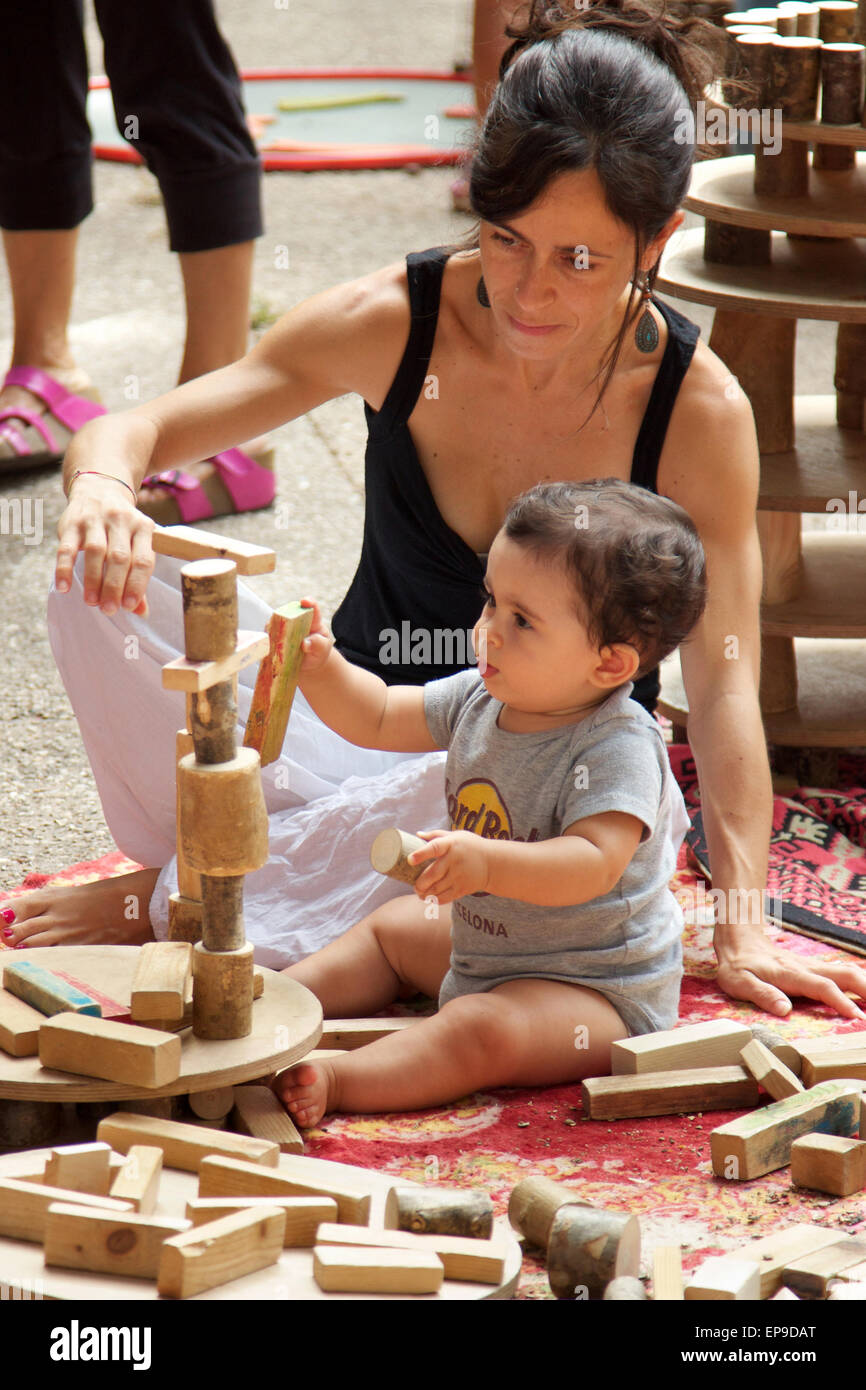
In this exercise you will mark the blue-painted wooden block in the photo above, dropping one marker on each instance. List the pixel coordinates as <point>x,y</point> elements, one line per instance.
<point>46,991</point>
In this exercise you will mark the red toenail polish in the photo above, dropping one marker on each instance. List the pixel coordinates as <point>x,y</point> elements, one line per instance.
<point>8,915</point>
<point>7,933</point>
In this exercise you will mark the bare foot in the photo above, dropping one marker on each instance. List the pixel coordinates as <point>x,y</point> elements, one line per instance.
<point>308,1091</point>
<point>110,910</point>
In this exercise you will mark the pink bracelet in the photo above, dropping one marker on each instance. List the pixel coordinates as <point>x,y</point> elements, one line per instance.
<point>93,472</point>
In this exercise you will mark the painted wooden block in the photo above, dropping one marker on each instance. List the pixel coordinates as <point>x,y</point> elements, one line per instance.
<point>761,1141</point>
<point>46,991</point>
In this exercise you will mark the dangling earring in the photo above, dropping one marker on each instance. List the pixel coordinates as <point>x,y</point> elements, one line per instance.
<point>646,334</point>
<point>481,295</point>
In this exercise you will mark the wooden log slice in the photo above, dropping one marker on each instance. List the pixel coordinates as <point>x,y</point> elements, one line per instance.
<point>209,590</point>
<point>589,1248</point>
<point>534,1203</point>
<point>439,1211</point>
<point>837,21</point>
<point>223,818</point>
<point>390,851</point>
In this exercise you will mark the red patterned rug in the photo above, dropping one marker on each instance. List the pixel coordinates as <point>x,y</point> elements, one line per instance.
<point>658,1169</point>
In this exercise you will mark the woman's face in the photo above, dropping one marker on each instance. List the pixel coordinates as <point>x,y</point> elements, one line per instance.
<point>559,273</point>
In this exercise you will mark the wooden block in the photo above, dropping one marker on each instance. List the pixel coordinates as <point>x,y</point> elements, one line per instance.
<point>349,1033</point>
<point>786,1052</point>
<point>829,1163</point>
<point>258,1112</point>
<point>220,1251</point>
<point>111,1008</point>
<point>195,676</point>
<point>830,1042</point>
<point>296,1177</point>
<point>46,991</point>
<point>668,1093</point>
<point>186,1021</point>
<point>841,1291</point>
<point>277,681</point>
<point>183,1146</point>
<point>19,1026</point>
<point>214,1104</point>
<point>105,1242</point>
<point>445,1211</point>
<point>113,1051</point>
<point>667,1273</point>
<point>161,982</point>
<point>760,1142</point>
<point>185,543</point>
<point>304,1215</point>
<point>24,1206</point>
<point>855,1273</point>
<point>769,1072</point>
<point>475,1261</point>
<point>340,1270</point>
<point>774,1252</point>
<point>80,1167</point>
<point>832,1063</point>
<point>725,1279</point>
<point>810,1275</point>
<point>138,1180</point>
<point>717,1043</point>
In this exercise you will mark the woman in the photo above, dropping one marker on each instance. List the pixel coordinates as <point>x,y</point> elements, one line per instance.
<point>526,360</point>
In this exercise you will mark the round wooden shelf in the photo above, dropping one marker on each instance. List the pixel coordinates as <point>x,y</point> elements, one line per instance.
<point>831,705</point>
<point>827,463</point>
<point>722,189</point>
<point>23,1267</point>
<point>814,131</point>
<point>287,1023</point>
<point>831,595</point>
<point>799,284</point>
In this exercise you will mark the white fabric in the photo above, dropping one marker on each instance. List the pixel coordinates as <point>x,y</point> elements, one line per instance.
<point>327,800</point>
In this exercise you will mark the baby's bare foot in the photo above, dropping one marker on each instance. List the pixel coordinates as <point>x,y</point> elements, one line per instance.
<point>307,1091</point>
<point>110,910</point>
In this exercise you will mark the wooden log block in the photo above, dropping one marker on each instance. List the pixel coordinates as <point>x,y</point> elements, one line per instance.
<point>138,1180</point>
<point>337,1269</point>
<point>782,554</point>
<point>792,88</point>
<point>717,1043</point>
<point>724,1279</point>
<point>774,1252</point>
<point>161,980</point>
<point>759,351</point>
<point>850,375</point>
<point>837,21</point>
<point>725,244</point>
<point>212,718</point>
<point>786,1052</point>
<point>760,1142</point>
<point>24,1206</point>
<point>778,685</point>
<point>186,1021</point>
<point>19,1026</point>
<point>214,1104</point>
<point>45,991</point>
<point>808,20</point>
<point>304,1215</point>
<point>296,1177</point>
<point>277,681</point>
<point>346,1034</point>
<point>223,819</point>
<point>80,1168</point>
<point>626,1289</point>
<point>754,52</point>
<point>439,1211</point>
<point>829,1163</point>
<point>390,851</point>
<point>258,1112</point>
<point>667,1274</point>
<point>185,916</point>
<point>588,1248</point>
<point>209,590</point>
<point>183,1146</point>
<point>222,999</point>
<point>668,1093</point>
<point>195,676</point>
<point>820,1065</point>
<point>220,1251</point>
<point>810,1275</point>
<point>106,1243</point>
<point>113,1051</point>
<point>769,1072</point>
<point>475,1261</point>
<point>842,79</point>
<point>533,1204</point>
<point>186,543</point>
<point>222,927</point>
<point>28,1124</point>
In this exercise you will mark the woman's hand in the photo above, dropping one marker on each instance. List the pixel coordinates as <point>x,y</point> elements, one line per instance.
<point>101,520</point>
<point>459,864</point>
<point>753,969</point>
<point>317,646</point>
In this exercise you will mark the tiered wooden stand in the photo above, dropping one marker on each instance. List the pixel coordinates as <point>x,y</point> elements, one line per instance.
<point>765,260</point>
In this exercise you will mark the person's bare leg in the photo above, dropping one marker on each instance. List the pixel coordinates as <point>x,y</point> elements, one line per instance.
<point>523,1033</point>
<point>41,268</point>
<point>113,910</point>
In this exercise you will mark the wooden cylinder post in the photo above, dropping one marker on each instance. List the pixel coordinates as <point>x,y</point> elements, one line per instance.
<point>439,1211</point>
<point>725,244</point>
<point>781,552</point>
<point>534,1203</point>
<point>843,66</point>
<point>736,87</point>
<point>184,906</point>
<point>754,52</point>
<point>850,376</point>
<point>837,21</point>
<point>29,1124</point>
<point>224,822</point>
<point>759,351</point>
<point>222,993</point>
<point>209,590</point>
<point>778,689</point>
<point>808,20</point>
<point>390,851</point>
<point>792,89</point>
<point>588,1248</point>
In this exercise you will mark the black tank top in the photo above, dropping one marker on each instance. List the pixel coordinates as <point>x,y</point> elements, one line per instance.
<point>416,595</point>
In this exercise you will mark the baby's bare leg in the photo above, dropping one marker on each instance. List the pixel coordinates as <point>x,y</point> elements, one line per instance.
<point>523,1033</point>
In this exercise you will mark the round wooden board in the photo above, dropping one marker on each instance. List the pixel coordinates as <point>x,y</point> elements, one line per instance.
<point>825,465</point>
<point>287,1024</point>
<point>825,134</point>
<point>831,706</point>
<point>723,190</point>
<point>23,1268</point>
<point>831,592</point>
<point>804,281</point>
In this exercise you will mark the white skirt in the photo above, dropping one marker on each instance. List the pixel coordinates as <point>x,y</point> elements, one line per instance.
<point>326,799</point>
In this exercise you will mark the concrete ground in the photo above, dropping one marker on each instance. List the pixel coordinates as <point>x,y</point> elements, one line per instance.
<point>128,323</point>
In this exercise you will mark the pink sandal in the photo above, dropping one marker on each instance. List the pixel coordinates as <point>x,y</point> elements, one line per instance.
<point>43,438</point>
<point>239,483</point>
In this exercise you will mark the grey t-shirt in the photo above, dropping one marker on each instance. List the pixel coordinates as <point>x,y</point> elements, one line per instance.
<point>532,786</point>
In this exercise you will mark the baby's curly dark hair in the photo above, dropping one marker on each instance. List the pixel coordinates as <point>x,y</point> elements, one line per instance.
<point>636,560</point>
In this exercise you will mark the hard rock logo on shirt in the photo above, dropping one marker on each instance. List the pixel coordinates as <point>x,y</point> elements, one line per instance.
<point>478,807</point>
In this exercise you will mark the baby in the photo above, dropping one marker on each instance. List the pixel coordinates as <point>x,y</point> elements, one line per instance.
<point>562,934</point>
